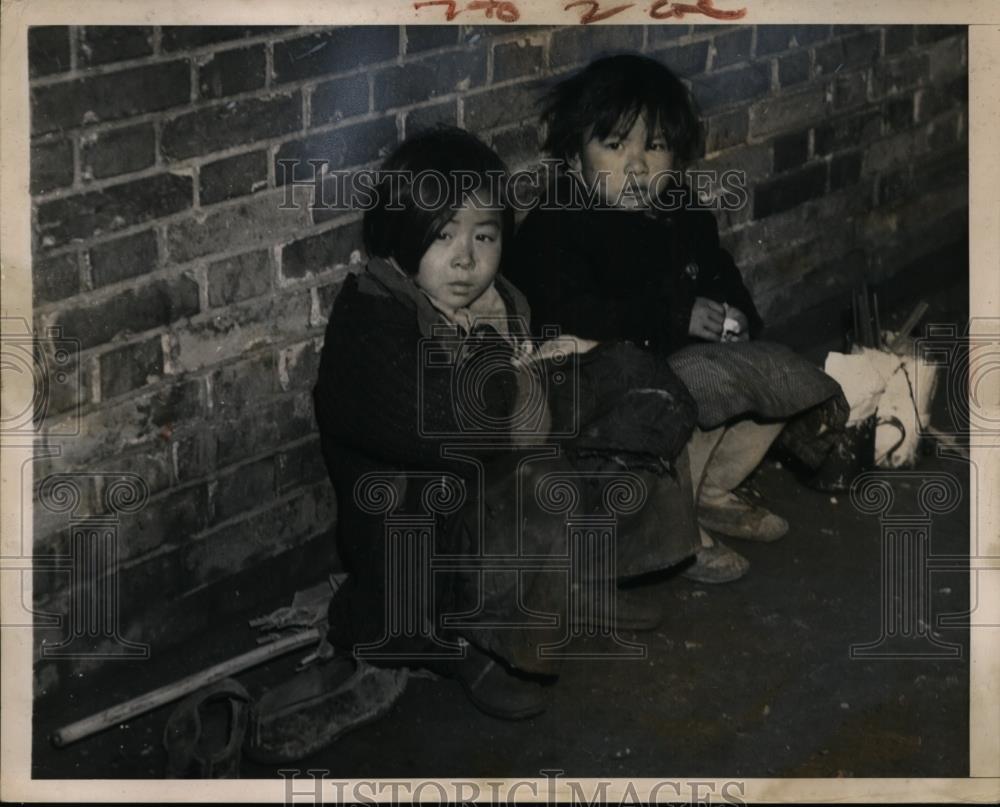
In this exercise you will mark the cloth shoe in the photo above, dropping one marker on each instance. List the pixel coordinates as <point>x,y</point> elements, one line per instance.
<point>717,564</point>
<point>739,517</point>
<point>204,734</point>
<point>316,706</point>
<point>495,690</point>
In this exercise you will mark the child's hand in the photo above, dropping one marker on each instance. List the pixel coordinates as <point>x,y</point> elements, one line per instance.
<point>742,331</point>
<point>707,317</point>
<point>553,347</point>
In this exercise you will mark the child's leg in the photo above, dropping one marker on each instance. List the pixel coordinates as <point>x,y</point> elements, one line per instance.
<point>735,455</point>
<point>714,562</point>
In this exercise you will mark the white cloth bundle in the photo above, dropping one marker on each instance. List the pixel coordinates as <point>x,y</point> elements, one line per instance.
<point>884,383</point>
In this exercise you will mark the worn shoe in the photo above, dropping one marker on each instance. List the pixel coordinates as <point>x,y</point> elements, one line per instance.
<point>631,612</point>
<point>495,690</point>
<point>318,705</point>
<point>204,734</point>
<point>717,564</point>
<point>739,517</point>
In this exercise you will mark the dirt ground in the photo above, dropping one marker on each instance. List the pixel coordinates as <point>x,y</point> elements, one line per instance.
<point>750,679</point>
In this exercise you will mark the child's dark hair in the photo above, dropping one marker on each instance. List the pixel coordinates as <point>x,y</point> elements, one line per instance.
<point>609,94</point>
<point>408,215</point>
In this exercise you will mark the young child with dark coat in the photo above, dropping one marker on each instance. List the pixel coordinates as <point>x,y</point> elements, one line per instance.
<point>610,254</point>
<point>429,338</point>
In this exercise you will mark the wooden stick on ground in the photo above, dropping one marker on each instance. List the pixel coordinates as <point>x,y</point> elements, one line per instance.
<point>178,689</point>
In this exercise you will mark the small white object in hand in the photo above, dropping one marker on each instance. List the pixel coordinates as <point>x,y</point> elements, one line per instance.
<point>730,329</point>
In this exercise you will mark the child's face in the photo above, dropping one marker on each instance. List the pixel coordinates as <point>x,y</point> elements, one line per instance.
<point>628,162</point>
<point>463,259</point>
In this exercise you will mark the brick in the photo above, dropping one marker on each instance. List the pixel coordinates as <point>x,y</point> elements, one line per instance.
<point>298,365</point>
<point>943,132</point>
<point>726,130</point>
<point>195,455</point>
<point>347,146</point>
<point>898,114</point>
<point>850,90</point>
<point>583,43</point>
<point>130,367</point>
<point>790,151</point>
<point>847,132</point>
<point>685,60</point>
<point>892,76</point>
<point>517,59</point>
<point>266,429</point>
<point>48,50</point>
<point>113,43</point>
<point>925,34</point>
<point>132,311</point>
<point>666,32</point>
<point>793,68</point>
<point>117,151</point>
<point>428,37</point>
<point>171,520</point>
<point>787,111</point>
<point>518,147</point>
<point>417,81</point>
<point>232,71</point>
<point>427,117</point>
<point>845,169</point>
<point>775,38</point>
<point>732,47</point>
<point>852,51</point>
<point>153,463</point>
<point>932,101</point>
<point>232,177</point>
<point>341,98</point>
<point>244,489</point>
<point>788,191</point>
<point>898,39</point>
<point>185,37</point>
<point>336,195</point>
<point>266,320</point>
<point>54,279</point>
<point>235,123</point>
<point>51,165</point>
<point>146,420</point>
<point>300,466</point>
<point>499,107</point>
<point>239,278</point>
<point>110,96</point>
<point>123,258</point>
<point>891,151</point>
<point>86,215</point>
<point>316,253</point>
<point>251,541</point>
<point>255,221</point>
<point>740,85</point>
<point>334,51</point>
<point>239,387</point>
<point>950,169</point>
<point>946,60</point>
<point>894,185</point>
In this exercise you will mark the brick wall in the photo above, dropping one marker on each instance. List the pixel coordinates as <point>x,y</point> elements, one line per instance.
<point>199,303</point>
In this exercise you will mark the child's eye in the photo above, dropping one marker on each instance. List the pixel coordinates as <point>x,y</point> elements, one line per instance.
<point>613,145</point>
<point>443,236</point>
<point>487,238</point>
<point>657,145</point>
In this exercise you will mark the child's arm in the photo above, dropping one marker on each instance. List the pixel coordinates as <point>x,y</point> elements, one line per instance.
<point>719,279</point>
<point>376,393</point>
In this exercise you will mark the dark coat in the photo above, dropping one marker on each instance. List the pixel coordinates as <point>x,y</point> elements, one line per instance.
<point>383,408</point>
<point>614,274</point>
